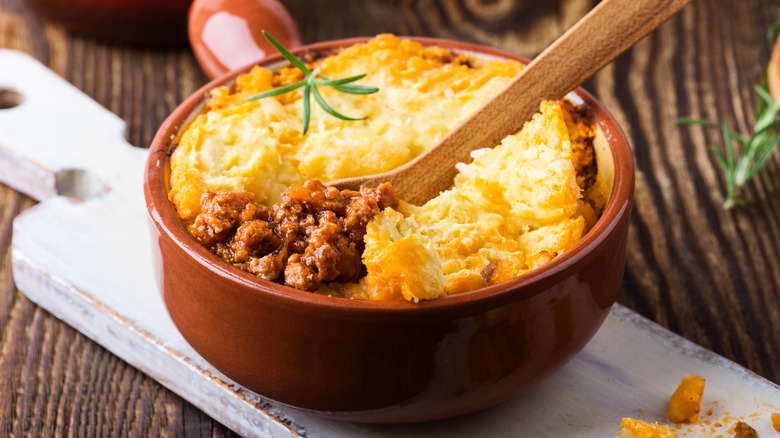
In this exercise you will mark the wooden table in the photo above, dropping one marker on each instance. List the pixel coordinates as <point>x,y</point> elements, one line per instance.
<point>709,274</point>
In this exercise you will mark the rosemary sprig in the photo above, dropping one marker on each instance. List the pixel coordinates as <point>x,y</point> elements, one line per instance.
<point>743,156</point>
<point>310,82</point>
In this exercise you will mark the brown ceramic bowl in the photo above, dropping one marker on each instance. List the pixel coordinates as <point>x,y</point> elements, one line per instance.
<point>389,361</point>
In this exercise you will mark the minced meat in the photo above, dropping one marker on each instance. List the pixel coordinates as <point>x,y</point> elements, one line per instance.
<point>314,235</point>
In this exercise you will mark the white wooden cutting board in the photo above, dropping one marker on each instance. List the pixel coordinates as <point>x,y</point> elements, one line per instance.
<point>83,254</point>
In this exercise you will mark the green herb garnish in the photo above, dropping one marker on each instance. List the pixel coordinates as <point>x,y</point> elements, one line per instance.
<point>310,82</point>
<point>743,156</point>
<point>770,34</point>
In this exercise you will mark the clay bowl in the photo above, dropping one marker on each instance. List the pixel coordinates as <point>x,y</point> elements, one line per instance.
<point>144,22</point>
<point>389,361</point>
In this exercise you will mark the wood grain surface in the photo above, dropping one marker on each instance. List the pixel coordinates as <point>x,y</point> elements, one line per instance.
<point>708,274</point>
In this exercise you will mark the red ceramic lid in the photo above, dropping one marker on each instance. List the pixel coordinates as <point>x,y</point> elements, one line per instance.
<point>226,34</point>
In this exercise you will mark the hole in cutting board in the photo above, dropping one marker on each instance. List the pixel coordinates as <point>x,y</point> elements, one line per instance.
<point>79,183</point>
<point>10,98</point>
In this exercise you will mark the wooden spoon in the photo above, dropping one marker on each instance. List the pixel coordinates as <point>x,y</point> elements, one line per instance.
<point>773,72</point>
<point>605,32</point>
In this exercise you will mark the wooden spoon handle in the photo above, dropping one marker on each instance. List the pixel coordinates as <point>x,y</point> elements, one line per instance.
<point>604,33</point>
<point>773,72</point>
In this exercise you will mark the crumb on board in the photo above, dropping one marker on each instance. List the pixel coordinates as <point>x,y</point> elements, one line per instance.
<point>685,403</point>
<point>743,430</point>
<point>632,428</point>
<point>722,427</point>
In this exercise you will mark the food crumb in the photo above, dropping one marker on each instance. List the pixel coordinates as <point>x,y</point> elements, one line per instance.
<point>632,428</point>
<point>685,403</point>
<point>743,430</point>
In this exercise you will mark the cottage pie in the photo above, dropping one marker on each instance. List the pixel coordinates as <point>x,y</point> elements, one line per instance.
<point>248,183</point>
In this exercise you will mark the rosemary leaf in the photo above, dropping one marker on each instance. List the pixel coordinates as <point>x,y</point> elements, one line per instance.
<point>345,85</point>
<point>332,82</point>
<point>306,108</point>
<point>356,89</point>
<point>692,121</point>
<point>728,141</point>
<point>770,34</point>
<point>277,91</point>
<point>328,109</point>
<point>286,53</point>
<point>310,83</point>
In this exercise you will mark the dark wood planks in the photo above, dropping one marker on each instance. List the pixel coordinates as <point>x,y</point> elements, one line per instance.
<point>709,274</point>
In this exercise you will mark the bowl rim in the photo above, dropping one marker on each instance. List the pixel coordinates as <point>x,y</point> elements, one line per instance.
<point>521,288</point>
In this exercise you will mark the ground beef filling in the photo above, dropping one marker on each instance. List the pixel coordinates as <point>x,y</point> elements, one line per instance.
<point>314,234</point>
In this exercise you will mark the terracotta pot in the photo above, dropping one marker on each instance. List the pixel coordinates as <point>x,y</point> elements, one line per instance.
<point>388,361</point>
<point>145,22</point>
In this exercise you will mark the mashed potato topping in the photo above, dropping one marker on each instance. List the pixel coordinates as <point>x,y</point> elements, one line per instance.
<point>514,208</point>
<point>259,146</point>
